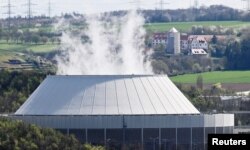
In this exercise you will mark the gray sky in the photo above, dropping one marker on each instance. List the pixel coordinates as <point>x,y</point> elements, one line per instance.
<point>93,6</point>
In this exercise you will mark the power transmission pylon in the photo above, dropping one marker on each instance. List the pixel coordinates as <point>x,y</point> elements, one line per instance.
<point>29,12</point>
<point>195,8</point>
<point>162,3</point>
<point>49,8</point>
<point>247,5</point>
<point>137,3</point>
<point>9,12</point>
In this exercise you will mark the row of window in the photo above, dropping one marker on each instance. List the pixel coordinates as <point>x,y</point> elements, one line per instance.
<point>148,139</point>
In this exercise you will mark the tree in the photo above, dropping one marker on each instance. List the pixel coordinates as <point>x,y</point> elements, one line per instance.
<point>35,38</point>
<point>59,41</point>
<point>53,39</point>
<point>160,67</point>
<point>196,68</point>
<point>7,37</point>
<point>1,32</point>
<point>44,39</point>
<point>214,39</point>
<point>199,82</point>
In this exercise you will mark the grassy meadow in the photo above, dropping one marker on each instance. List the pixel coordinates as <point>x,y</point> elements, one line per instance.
<point>186,26</point>
<point>215,77</point>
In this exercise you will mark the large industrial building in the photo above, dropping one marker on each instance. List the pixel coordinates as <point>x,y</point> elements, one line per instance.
<point>122,111</point>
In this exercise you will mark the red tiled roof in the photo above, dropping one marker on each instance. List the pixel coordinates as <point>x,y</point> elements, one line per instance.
<point>160,36</point>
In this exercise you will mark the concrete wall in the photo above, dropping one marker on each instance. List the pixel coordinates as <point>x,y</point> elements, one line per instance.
<point>112,122</point>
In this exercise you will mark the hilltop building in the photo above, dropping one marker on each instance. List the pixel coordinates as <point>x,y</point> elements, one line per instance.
<point>173,42</point>
<point>197,42</point>
<point>176,43</point>
<point>133,111</point>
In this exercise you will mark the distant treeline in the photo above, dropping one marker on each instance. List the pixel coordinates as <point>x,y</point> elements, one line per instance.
<point>212,13</point>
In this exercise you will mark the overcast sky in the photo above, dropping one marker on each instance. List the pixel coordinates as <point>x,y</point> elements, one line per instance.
<point>92,6</point>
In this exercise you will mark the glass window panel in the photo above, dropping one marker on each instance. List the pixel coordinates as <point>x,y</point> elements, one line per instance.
<point>184,139</point>
<point>198,138</point>
<point>133,139</point>
<point>96,136</point>
<point>151,139</point>
<point>168,139</point>
<point>79,134</point>
<point>114,138</point>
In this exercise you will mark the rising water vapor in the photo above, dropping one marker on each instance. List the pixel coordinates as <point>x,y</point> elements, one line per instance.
<point>115,46</point>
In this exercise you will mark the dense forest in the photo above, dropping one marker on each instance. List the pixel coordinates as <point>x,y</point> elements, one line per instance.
<point>15,135</point>
<point>15,88</point>
<point>238,52</point>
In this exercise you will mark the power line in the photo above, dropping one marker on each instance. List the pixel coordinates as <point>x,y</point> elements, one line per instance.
<point>196,4</point>
<point>137,3</point>
<point>195,8</point>
<point>9,12</point>
<point>162,3</point>
<point>29,11</point>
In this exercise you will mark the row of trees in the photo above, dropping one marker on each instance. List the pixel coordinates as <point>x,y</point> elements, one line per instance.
<point>205,99</point>
<point>212,13</point>
<point>26,36</point>
<point>176,65</point>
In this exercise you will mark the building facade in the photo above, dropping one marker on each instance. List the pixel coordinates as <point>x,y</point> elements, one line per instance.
<point>197,42</point>
<point>182,132</point>
<point>159,39</point>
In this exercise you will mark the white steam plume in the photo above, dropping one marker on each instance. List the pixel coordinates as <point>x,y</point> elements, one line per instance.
<point>114,47</point>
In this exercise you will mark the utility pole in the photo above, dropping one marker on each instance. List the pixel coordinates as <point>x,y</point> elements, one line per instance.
<point>248,5</point>
<point>9,12</point>
<point>196,6</point>
<point>49,9</point>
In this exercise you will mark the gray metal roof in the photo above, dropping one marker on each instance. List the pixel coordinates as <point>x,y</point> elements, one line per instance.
<point>107,95</point>
<point>173,30</point>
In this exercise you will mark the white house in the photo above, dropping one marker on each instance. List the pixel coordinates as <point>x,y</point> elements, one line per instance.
<point>198,52</point>
<point>197,42</point>
<point>159,39</point>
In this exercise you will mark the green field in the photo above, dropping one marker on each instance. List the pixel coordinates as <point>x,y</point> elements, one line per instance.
<point>215,77</point>
<point>186,26</point>
<point>36,48</point>
<point>15,51</point>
